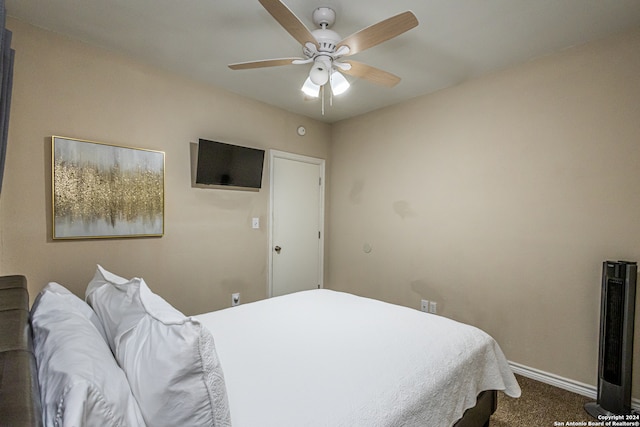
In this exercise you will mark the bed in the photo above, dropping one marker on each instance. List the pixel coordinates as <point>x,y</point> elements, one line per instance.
<point>314,358</point>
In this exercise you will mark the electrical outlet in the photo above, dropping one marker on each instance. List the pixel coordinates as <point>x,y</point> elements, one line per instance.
<point>235,299</point>
<point>433,307</point>
<point>424,306</point>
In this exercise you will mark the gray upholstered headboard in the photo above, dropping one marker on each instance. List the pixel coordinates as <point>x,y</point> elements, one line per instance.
<point>19,392</point>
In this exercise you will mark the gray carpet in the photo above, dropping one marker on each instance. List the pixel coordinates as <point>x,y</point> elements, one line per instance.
<point>540,405</point>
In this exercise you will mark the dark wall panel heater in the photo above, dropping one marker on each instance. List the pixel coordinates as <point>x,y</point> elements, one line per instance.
<point>615,359</point>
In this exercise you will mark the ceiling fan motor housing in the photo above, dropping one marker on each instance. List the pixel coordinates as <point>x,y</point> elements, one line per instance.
<point>327,39</point>
<point>324,18</point>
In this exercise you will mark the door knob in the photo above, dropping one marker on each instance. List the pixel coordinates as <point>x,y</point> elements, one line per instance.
<point>278,249</point>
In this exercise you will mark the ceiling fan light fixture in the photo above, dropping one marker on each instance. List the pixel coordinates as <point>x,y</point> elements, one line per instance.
<point>319,73</point>
<point>310,89</point>
<point>339,83</point>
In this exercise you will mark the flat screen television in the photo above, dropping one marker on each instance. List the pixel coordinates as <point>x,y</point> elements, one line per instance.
<point>231,165</point>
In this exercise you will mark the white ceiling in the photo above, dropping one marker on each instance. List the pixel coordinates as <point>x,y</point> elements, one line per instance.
<point>456,40</point>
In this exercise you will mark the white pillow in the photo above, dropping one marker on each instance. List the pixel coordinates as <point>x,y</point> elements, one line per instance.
<point>80,382</point>
<point>74,302</point>
<point>118,305</point>
<point>170,359</point>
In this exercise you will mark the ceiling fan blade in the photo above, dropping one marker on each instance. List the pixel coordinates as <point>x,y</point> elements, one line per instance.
<point>289,21</point>
<point>264,63</point>
<point>380,32</point>
<point>373,74</point>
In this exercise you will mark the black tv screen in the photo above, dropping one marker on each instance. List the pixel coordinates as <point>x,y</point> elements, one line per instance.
<point>227,164</point>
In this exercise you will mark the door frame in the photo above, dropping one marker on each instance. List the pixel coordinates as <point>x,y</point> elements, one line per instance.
<point>273,154</point>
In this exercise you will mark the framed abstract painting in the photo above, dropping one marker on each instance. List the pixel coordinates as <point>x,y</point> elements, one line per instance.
<point>102,190</point>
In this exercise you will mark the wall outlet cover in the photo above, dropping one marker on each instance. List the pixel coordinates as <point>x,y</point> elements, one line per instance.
<point>433,307</point>
<point>424,305</point>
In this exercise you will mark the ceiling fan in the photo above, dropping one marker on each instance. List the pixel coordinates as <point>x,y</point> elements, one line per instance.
<point>325,49</point>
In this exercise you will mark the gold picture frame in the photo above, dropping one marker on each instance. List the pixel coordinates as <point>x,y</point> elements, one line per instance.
<point>104,190</point>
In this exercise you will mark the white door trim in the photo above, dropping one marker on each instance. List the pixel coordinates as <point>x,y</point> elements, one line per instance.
<point>273,154</point>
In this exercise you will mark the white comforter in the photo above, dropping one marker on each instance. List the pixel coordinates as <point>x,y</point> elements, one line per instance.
<point>326,358</point>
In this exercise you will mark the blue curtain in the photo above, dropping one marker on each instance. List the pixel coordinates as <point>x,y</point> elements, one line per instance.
<point>6,84</point>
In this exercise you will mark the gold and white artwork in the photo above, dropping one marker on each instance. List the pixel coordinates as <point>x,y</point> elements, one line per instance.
<point>102,190</point>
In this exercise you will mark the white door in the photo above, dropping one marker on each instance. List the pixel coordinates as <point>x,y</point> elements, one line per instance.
<point>297,218</point>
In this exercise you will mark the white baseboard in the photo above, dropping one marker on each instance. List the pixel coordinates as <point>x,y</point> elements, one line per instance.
<point>561,382</point>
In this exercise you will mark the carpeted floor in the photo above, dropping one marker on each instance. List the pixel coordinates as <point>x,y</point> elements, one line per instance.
<point>540,405</point>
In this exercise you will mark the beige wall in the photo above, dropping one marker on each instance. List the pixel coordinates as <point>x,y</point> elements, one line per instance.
<point>499,199</point>
<point>209,250</point>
